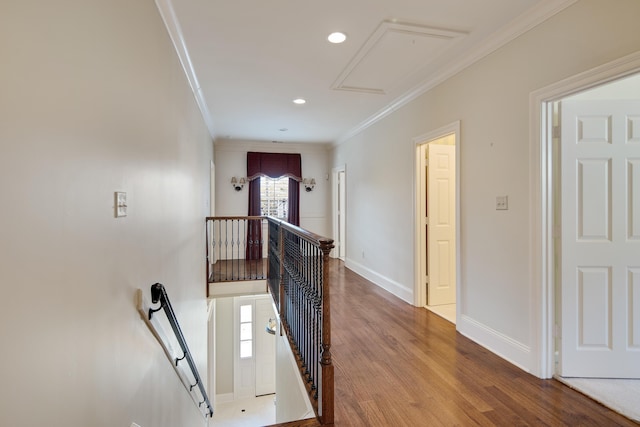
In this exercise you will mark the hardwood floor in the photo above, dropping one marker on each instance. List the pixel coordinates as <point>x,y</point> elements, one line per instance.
<point>238,269</point>
<point>398,365</point>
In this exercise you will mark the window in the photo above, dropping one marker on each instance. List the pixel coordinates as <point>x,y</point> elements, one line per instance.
<point>274,197</point>
<point>246,331</point>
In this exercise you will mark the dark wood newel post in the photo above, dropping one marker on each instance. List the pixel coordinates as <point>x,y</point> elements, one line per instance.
<point>327,365</point>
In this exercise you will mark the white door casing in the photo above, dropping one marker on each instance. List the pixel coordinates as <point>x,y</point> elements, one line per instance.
<point>339,212</point>
<point>446,135</point>
<point>542,162</point>
<point>342,213</point>
<point>600,255</point>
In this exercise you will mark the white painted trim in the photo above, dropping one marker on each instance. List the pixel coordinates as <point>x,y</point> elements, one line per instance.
<point>334,211</point>
<point>168,14</point>
<point>397,289</point>
<point>419,292</point>
<point>236,289</point>
<point>509,349</point>
<point>211,350</point>
<point>239,146</point>
<point>542,283</point>
<point>224,398</point>
<point>419,295</point>
<point>525,22</point>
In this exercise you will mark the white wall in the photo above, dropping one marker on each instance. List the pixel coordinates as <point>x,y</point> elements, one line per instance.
<point>626,88</point>
<point>224,348</point>
<point>292,402</point>
<point>491,99</point>
<point>231,160</point>
<point>94,100</point>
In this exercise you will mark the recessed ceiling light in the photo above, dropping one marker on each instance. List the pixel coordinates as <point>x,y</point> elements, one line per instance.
<point>299,101</point>
<point>337,37</point>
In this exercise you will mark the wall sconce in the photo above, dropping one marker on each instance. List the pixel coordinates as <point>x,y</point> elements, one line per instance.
<point>309,183</point>
<point>238,183</point>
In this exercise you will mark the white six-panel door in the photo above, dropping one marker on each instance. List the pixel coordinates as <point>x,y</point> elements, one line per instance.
<point>600,255</point>
<point>441,224</point>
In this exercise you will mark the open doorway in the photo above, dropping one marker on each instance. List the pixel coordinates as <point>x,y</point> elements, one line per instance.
<point>437,240</point>
<point>589,197</point>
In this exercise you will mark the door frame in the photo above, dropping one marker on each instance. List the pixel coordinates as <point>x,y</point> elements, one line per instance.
<point>419,292</point>
<point>211,350</point>
<point>542,283</point>
<point>335,253</point>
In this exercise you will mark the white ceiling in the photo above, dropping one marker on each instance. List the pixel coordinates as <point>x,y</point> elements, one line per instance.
<point>248,59</point>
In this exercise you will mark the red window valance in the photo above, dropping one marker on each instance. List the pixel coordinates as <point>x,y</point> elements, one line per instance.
<point>274,165</point>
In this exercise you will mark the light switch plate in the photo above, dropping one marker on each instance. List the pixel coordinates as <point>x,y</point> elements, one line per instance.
<point>502,203</point>
<point>120,204</point>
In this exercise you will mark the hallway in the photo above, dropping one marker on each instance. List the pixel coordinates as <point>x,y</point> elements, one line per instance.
<point>396,364</point>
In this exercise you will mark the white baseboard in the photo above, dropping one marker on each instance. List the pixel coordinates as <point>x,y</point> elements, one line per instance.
<point>397,289</point>
<point>509,349</point>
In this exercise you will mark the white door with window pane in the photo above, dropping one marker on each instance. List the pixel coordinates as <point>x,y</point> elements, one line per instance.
<point>254,351</point>
<point>244,372</point>
<point>600,279</point>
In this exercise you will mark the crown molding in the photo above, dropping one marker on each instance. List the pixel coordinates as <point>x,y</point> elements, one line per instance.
<point>167,12</point>
<point>240,145</point>
<point>525,22</point>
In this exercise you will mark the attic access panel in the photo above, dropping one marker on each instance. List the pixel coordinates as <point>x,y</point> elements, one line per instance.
<point>393,53</point>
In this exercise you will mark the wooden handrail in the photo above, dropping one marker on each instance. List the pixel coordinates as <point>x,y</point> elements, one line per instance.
<point>306,234</point>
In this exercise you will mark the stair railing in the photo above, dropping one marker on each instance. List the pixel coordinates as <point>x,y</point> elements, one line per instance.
<point>296,271</point>
<point>235,249</point>
<point>190,378</point>
<point>298,279</point>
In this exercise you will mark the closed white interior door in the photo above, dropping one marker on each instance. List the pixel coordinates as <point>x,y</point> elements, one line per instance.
<point>441,232</point>
<point>600,255</point>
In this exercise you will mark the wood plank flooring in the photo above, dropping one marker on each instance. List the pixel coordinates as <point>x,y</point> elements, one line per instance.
<point>238,269</point>
<point>398,365</point>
